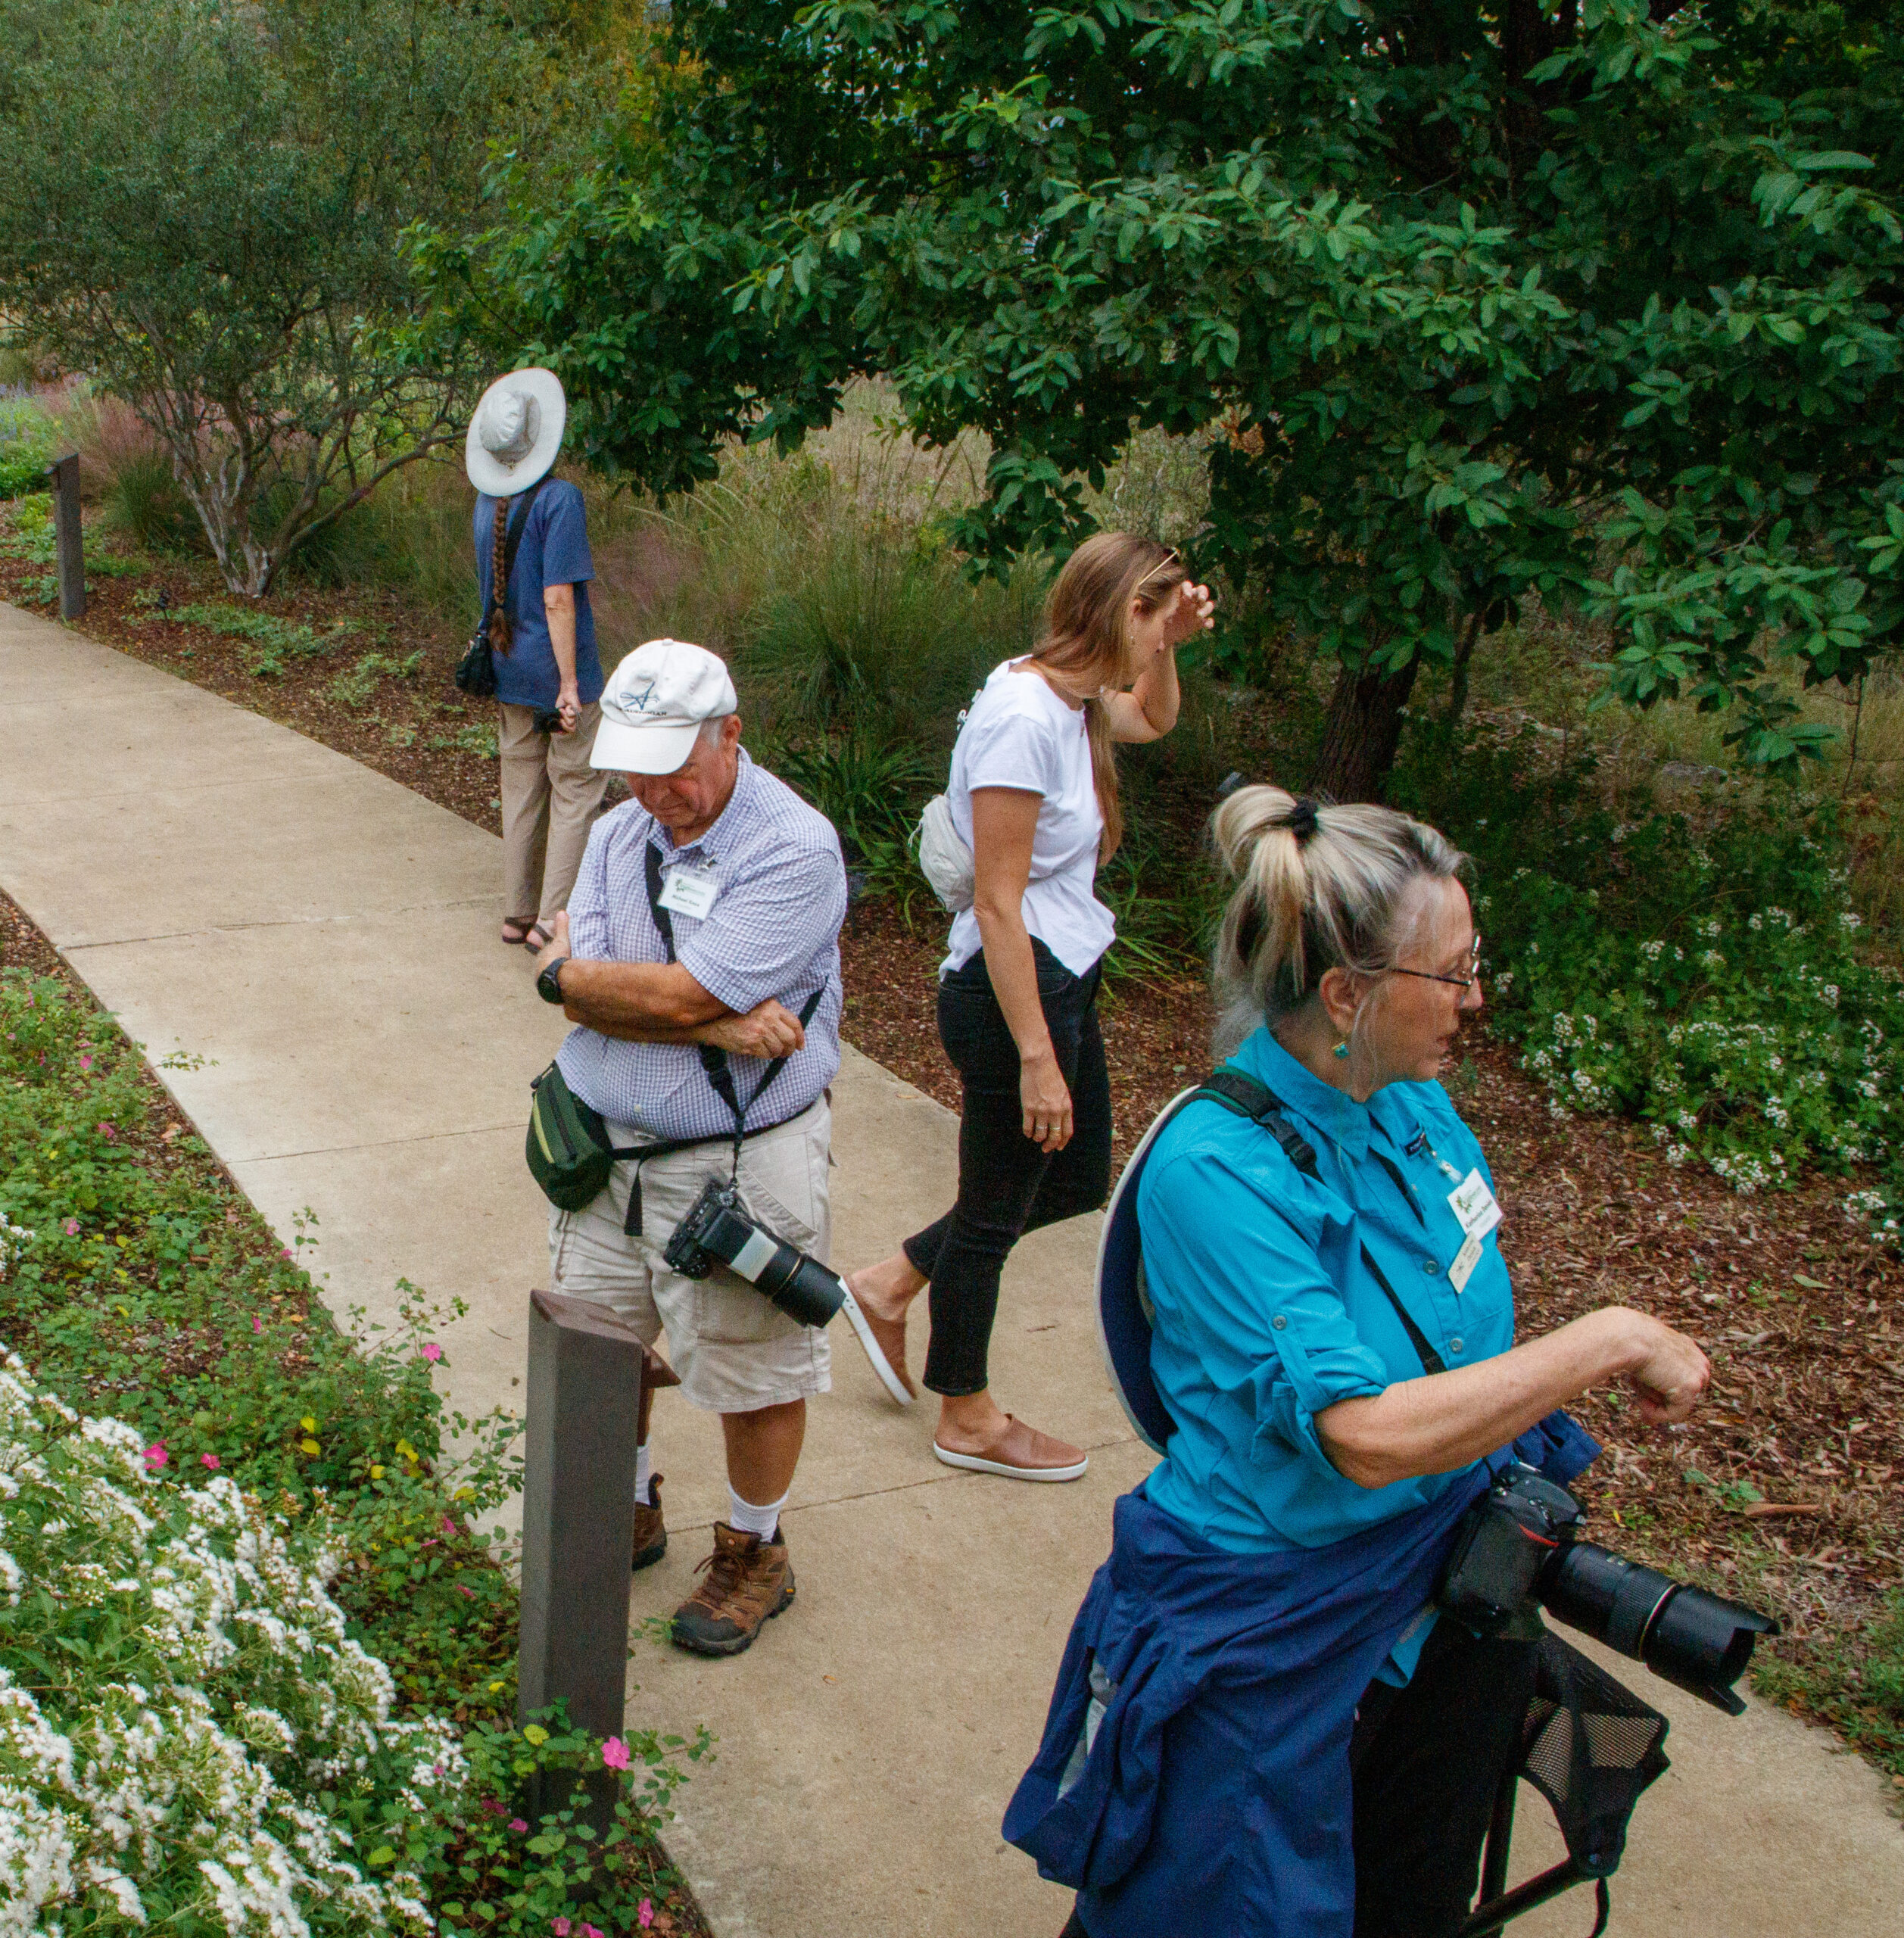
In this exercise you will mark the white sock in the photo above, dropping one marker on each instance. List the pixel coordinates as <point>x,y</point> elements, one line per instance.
<point>644,1468</point>
<point>745,1518</point>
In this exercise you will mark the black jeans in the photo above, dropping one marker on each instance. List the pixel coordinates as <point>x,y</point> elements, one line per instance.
<point>1427,1760</point>
<point>1006,1185</point>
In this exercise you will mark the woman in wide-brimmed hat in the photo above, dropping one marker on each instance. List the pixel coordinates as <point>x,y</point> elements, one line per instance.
<point>533,566</point>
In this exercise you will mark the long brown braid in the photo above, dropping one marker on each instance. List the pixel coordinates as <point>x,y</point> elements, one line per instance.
<point>498,636</point>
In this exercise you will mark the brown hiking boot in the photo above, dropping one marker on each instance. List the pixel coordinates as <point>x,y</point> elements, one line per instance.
<point>748,1580</point>
<point>650,1537</point>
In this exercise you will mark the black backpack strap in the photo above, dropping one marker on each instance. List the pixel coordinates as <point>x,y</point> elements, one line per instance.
<point>1243,1096</point>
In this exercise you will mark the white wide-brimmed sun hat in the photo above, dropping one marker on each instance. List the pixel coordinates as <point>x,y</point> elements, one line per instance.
<point>516,433</point>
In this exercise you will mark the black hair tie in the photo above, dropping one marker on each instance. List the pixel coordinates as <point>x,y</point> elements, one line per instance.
<point>1301,819</point>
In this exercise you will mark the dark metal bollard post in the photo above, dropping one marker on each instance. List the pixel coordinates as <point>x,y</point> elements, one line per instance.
<point>586,1375</point>
<point>64,472</point>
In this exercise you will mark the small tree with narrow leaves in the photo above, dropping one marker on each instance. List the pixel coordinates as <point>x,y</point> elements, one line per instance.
<point>202,212</point>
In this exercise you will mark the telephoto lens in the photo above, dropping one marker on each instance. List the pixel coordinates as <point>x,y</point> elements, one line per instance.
<point>1698,1642</point>
<point>802,1288</point>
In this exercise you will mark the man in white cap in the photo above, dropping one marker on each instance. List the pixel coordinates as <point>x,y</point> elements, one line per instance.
<point>702,937</point>
<point>533,570</point>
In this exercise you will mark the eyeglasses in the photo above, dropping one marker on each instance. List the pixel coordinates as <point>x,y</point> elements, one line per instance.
<point>1466,982</point>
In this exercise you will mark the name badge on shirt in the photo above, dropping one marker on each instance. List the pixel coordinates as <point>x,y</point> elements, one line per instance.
<point>1473,1204</point>
<point>1466,1260</point>
<point>689,892</point>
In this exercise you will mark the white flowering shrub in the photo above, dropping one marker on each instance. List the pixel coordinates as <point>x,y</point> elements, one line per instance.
<point>185,1726</point>
<point>1646,973</point>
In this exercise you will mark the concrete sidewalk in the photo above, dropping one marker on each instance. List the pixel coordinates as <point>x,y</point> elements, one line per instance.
<point>327,939</point>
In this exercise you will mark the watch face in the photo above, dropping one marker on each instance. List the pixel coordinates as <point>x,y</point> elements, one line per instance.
<point>549,983</point>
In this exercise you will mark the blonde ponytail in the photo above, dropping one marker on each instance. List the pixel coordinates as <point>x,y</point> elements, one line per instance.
<point>1319,887</point>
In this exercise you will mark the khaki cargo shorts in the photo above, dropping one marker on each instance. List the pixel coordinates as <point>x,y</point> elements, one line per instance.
<point>734,1349</point>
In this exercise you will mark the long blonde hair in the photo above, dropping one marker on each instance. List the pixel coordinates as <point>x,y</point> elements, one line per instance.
<point>1086,641</point>
<point>1318,887</point>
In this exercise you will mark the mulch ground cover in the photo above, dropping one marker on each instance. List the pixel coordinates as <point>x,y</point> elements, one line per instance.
<point>1784,1488</point>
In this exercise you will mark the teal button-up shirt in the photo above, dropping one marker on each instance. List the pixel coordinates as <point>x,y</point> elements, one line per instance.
<point>1266,1312</point>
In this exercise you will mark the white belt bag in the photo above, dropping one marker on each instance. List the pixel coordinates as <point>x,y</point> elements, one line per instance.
<point>944,859</point>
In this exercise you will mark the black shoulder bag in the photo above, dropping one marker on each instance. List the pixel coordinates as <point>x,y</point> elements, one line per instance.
<point>475,672</point>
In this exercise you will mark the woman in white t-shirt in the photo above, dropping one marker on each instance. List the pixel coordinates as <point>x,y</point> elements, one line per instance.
<point>1034,793</point>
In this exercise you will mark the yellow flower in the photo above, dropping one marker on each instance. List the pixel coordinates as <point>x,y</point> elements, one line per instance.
<point>493,1686</point>
<point>310,1445</point>
<point>536,1735</point>
<point>308,1424</point>
<point>407,1451</point>
<point>376,1473</point>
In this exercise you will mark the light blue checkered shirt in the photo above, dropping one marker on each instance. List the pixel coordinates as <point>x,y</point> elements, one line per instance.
<point>774,930</point>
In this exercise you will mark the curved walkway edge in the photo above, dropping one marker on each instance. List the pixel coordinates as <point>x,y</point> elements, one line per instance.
<point>325,938</point>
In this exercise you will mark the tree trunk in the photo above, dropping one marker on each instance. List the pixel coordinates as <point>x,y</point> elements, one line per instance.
<point>1457,691</point>
<point>1362,733</point>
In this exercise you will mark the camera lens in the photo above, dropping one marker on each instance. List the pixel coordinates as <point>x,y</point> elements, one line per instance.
<point>1698,1642</point>
<point>802,1289</point>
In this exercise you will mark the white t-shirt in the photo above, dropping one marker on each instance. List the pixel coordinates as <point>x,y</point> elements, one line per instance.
<point>1020,734</point>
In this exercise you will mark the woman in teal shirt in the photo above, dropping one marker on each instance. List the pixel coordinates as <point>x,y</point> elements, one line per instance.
<point>1337,1351</point>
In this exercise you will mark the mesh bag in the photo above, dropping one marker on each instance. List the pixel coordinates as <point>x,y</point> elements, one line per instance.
<point>1590,1747</point>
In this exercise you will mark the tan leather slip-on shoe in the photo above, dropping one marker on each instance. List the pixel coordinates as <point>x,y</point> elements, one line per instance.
<point>1021,1452</point>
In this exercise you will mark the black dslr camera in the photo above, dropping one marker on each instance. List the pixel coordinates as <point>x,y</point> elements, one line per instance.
<point>1520,1546</point>
<point>719,1228</point>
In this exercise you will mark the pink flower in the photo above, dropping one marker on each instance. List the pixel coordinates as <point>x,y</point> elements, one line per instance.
<point>645,1916</point>
<point>436,1769</point>
<point>615,1753</point>
<point>257,1324</point>
<point>155,1454</point>
<point>589,1931</point>
<point>560,1927</point>
<point>461,1591</point>
<point>72,1228</point>
<point>288,1252</point>
<point>491,1808</point>
<point>85,1063</point>
<point>208,1460</point>
<point>517,1824</point>
<point>432,1352</point>
<point>108,1133</point>
<point>449,1526</point>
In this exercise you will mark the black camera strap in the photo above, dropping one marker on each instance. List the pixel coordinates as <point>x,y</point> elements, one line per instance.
<point>1243,1096</point>
<point>714,1061</point>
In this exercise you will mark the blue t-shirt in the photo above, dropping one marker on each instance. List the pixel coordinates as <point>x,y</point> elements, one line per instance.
<point>553,551</point>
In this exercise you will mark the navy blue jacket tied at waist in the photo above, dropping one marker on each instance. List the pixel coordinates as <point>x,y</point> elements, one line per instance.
<point>1216,1797</point>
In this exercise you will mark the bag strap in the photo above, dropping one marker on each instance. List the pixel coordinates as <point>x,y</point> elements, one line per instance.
<point>511,545</point>
<point>1243,1096</point>
<point>714,1060</point>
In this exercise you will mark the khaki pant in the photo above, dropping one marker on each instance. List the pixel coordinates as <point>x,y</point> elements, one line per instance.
<point>551,797</point>
<point>735,1349</point>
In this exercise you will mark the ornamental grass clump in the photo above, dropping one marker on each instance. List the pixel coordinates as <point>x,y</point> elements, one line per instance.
<point>183,1714</point>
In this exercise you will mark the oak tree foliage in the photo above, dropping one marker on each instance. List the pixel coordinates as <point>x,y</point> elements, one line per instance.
<point>1476,299</point>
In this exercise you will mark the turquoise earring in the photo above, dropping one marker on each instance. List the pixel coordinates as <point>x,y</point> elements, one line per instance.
<point>1341,1050</point>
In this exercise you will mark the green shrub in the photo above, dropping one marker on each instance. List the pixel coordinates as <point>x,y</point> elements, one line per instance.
<point>1702,977</point>
<point>354,689</point>
<point>26,437</point>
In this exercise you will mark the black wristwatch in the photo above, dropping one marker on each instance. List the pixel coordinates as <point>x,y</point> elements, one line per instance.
<point>548,985</point>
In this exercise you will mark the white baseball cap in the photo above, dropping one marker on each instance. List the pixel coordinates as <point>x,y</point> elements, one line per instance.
<point>653,705</point>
